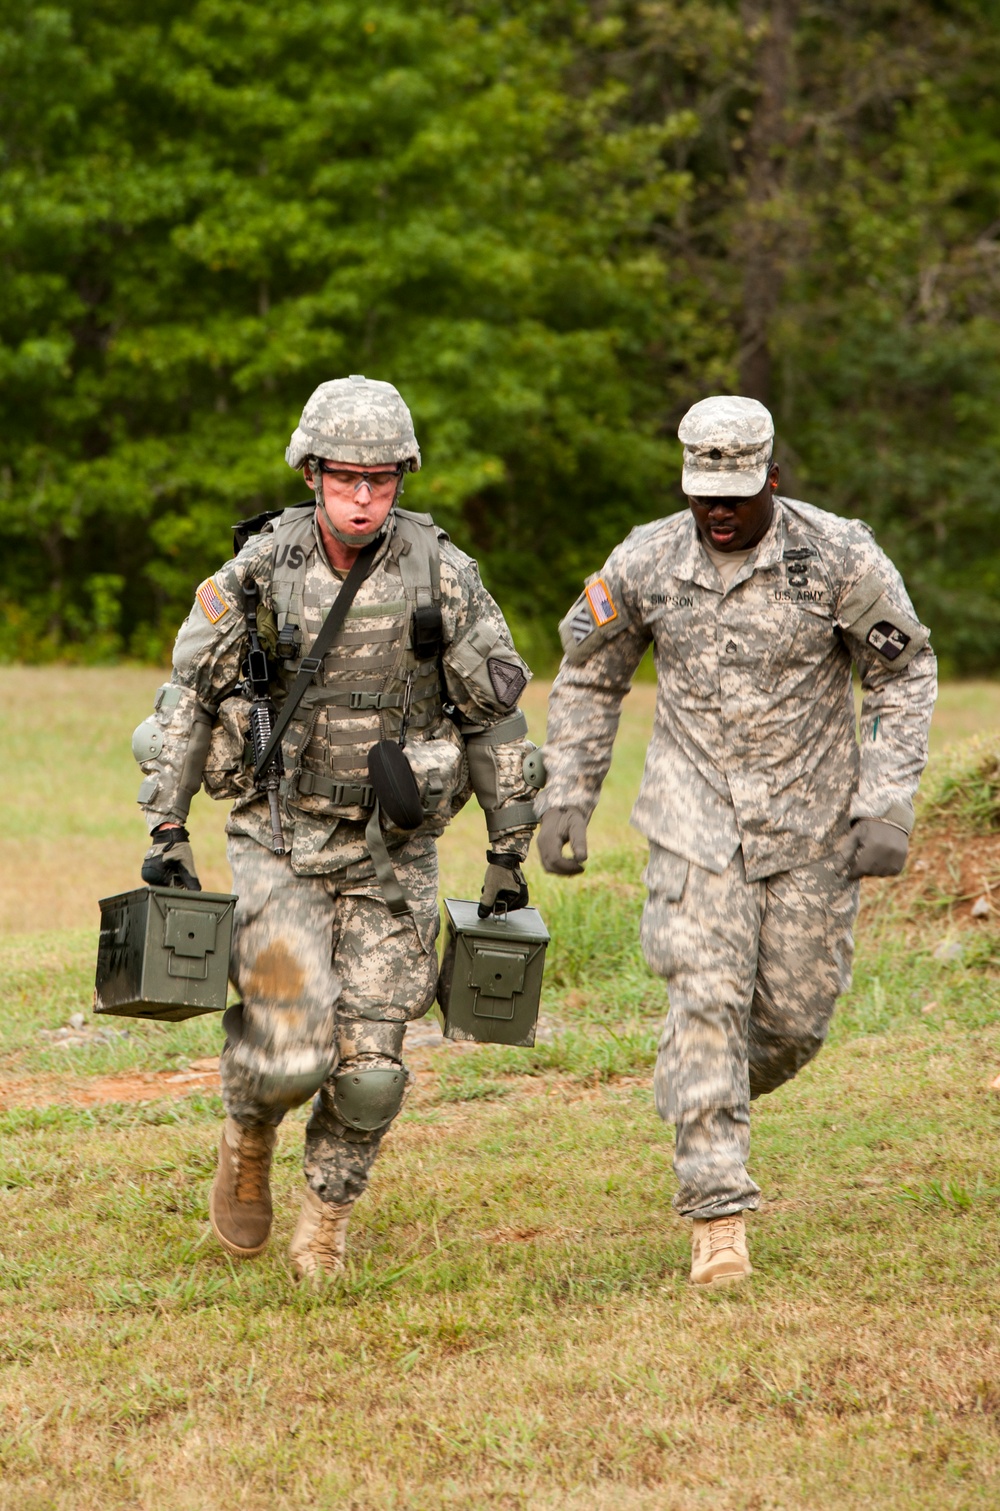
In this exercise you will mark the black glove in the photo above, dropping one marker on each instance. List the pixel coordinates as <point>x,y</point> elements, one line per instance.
<point>562,826</point>
<point>170,860</point>
<point>504,883</point>
<point>874,848</point>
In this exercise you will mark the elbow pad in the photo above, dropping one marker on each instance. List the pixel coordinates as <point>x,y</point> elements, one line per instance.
<point>171,747</point>
<point>496,770</point>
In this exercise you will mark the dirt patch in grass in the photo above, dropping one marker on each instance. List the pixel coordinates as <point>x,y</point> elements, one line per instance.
<point>49,1089</point>
<point>73,1091</point>
<point>960,868</point>
<point>946,871</point>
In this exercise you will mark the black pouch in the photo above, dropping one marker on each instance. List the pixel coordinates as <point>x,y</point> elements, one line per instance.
<point>428,631</point>
<point>394,785</point>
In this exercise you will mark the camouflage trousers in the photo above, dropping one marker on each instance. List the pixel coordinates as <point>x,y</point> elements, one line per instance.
<point>753,972</point>
<point>329,979</point>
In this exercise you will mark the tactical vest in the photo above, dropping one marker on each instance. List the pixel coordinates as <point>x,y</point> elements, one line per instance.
<point>358,694</point>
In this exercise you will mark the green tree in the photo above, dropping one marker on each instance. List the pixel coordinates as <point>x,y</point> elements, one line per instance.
<point>214,205</point>
<point>844,214</point>
<point>553,223</point>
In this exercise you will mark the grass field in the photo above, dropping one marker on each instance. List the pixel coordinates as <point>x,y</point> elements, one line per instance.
<point>516,1328</point>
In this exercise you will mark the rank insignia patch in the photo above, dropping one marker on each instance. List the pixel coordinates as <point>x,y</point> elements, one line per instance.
<point>601,604</point>
<point>887,640</point>
<point>580,623</point>
<point>213,605</point>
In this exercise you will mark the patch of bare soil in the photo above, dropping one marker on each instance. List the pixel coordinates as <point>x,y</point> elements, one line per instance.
<point>51,1090</point>
<point>129,1086</point>
<point>945,871</point>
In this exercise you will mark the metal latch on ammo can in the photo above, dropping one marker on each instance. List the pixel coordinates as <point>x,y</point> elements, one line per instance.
<point>164,953</point>
<point>490,983</point>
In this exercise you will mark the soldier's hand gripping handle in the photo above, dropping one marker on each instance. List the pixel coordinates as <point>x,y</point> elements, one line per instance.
<point>874,848</point>
<point>169,862</point>
<point>504,884</point>
<point>559,827</point>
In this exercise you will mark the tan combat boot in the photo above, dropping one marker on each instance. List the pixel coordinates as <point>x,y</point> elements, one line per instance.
<point>719,1254</point>
<point>239,1203</point>
<point>320,1238</point>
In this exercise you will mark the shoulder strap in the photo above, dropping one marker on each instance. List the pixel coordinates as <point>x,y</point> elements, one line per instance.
<point>310,665</point>
<point>253,526</point>
<point>419,560</point>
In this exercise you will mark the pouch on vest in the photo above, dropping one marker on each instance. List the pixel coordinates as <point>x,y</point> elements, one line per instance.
<point>440,771</point>
<point>428,631</point>
<point>227,773</point>
<point>421,779</point>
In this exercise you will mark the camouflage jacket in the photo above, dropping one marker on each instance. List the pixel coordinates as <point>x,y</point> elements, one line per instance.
<point>199,727</point>
<point>754,739</point>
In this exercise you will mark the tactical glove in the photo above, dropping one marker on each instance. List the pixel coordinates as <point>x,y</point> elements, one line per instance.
<point>562,826</point>
<point>504,883</point>
<point>874,848</point>
<point>170,861</point>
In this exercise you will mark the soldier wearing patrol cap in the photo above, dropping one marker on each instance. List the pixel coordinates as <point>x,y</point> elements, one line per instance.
<point>760,808</point>
<point>333,944</point>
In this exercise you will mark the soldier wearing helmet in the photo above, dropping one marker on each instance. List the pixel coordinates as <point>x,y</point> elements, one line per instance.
<point>760,810</point>
<point>333,945</point>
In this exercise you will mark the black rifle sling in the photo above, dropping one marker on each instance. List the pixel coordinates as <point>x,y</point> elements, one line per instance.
<point>310,665</point>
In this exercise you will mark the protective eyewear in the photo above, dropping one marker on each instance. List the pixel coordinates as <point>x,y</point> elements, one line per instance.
<point>375,480</point>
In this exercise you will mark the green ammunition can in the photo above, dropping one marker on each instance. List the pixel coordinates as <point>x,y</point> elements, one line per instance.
<point>164,953</point>
<point>491,974</point>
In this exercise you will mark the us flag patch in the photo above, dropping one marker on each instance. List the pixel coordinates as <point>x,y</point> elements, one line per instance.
<point>601,605</point>
<point>213,606</point>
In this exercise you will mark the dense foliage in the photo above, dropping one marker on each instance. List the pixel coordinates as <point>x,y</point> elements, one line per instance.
<point>553,225</point>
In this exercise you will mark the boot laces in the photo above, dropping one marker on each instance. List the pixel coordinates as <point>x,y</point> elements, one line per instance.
<point>722,1233</point>
<point>328,1240</point>
<point>252,1166</point>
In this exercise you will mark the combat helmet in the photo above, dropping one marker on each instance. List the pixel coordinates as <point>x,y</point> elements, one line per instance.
<point>355,419</point>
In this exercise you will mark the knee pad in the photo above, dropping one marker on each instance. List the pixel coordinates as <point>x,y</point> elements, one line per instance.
<point>368,1097</point>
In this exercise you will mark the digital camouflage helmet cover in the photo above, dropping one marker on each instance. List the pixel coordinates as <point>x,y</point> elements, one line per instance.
<point>355,419</point>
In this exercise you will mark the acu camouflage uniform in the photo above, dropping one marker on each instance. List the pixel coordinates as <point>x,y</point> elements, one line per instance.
<point>752,778</point>
<point>328,975</point>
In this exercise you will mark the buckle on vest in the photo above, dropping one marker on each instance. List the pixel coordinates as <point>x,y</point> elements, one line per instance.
<point>310,664</point>
<point>340,794</point>
<point>365,700</point>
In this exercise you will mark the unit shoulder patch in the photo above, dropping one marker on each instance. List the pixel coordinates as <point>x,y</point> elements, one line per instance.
<point>889,641</point>
<point>508,680</point>
<point>213,605</point>
<point>877,622</point>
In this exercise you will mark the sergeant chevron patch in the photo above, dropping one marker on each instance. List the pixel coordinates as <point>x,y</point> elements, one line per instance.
<point>213,605</point>
<point>581,622</point>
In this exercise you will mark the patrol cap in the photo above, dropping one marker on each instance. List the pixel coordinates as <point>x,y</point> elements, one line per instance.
<point>728,442</point>
<point>355,419</point>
